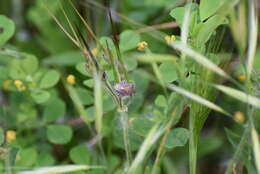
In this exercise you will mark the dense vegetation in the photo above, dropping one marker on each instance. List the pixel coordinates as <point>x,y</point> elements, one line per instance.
<point>129,87</point>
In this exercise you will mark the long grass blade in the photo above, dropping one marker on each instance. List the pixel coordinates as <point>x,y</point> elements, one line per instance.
<point>153,135</point>
<point>98,103</point>
<point>70,24</point>
<point>256,148</point>
<point>62,27</point>
<point>198,99</point>
<point>84,22</point>
<point>239,95</point>
<point>154,58</point>
<point>60,169</point>
<point>252,40</point>
<point>186,24</point>
<point>204,61</point>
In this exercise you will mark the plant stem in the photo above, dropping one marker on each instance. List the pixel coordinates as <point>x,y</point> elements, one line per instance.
<point>192,145</point>
<point>239,149</point>
<point>124,121</point>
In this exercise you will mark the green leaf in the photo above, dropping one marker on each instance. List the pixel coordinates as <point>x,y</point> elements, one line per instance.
<point>178,14</point>
<point>168,71</point>
<point>209,8</point>
<point>141,126</point>
<point>30,64</point>
<point>257,58</point>
<point>81,67</point>
<point>53,110</point>
<point>3,73</point>
<point>49,79</point>
<point>161,101</point>
<point>85,96</point>
<point>15,70</point>
<point>40,96</point>
<point>2,136</point>
<point>89,83</point>
<point>80,154</point>
<point>7,29</point>
<point>69,58</point>
<point>59,134</point>
<point>177,137</point>
<point>129,40</point>
<point>161,2</point>
<point>27,157</point>
<point>130,62</point>
<point>207,28</point>
<point>45,159</point>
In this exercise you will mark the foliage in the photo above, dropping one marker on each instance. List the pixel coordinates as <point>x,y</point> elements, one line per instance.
<point>87,89</point>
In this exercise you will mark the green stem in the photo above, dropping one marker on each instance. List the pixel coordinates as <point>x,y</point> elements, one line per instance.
<point>76,101</point>
<point>192,145</point>
<point>124,121</point>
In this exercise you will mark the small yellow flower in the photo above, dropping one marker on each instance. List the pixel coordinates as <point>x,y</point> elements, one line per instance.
<point>94,51</point>
<point>141,45</point>
<point>19,85</point>
<point>71,79</point>
<point>239,117</point>
<point>170,39</point>
<point>242,77</point>
<point>10,136</point>
<point>6,84</point>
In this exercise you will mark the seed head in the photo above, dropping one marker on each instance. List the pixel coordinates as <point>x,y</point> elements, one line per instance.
<point>125,88</point>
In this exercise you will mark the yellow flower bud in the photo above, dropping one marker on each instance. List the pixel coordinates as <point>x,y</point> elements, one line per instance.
<point>6,84</point>
<point>170,39</point>
<point>19,85</point>
<point>141,45</point>
<point>242,77</point>
<point>10,136</point>
<point>239,117</point>
<point>71,79</point>
<point>94,51</point>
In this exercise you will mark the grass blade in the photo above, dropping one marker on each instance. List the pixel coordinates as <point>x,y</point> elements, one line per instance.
<point>153,135</point>
<point>98,103</point>
<point>186,24</point>
<point>198,99</point>
<point>256,148</point>
<point>204,61</point>
<point>239,95</point>
<point>252,40</point>
<point>60,169</point>
<point>154,58</point>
